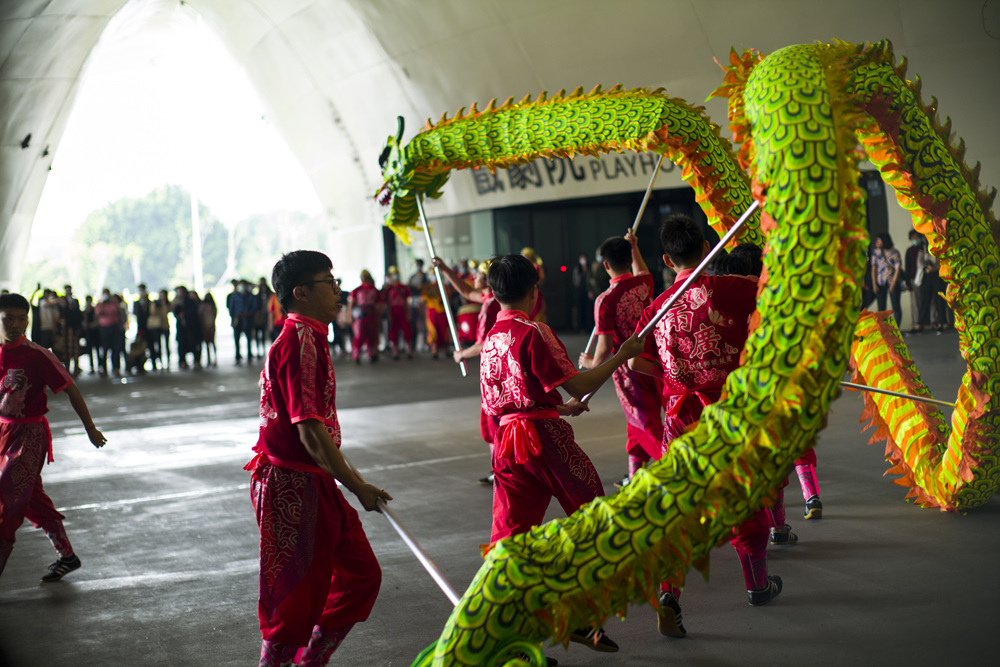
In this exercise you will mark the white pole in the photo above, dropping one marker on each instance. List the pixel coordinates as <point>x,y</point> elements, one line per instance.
<point>440,282</point>
<point>411,542</point>
<point>199,277</point>
<point>876,390</point>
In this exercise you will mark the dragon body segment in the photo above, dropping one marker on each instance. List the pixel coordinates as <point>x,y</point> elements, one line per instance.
<point>798,114</point>
<point>598,122</point>
<point>956,468</point>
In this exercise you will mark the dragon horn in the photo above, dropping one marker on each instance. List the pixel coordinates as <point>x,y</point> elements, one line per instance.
<point>400,124</point>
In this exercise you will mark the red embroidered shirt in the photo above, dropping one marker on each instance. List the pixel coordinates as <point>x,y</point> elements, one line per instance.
<point>522,363</point>
<point>618,308</point>
<point>26,369</point>
<point>698,342</point>
<point>297,383</point>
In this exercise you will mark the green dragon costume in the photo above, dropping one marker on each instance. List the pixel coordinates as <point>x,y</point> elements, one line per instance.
<point>799,115</point>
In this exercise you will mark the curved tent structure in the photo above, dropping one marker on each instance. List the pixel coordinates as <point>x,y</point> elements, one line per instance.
<point>336,73</point>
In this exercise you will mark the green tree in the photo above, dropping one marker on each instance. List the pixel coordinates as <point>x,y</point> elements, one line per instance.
<point>149,240</point>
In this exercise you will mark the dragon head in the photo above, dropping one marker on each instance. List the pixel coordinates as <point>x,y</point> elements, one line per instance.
<point>404,181</point>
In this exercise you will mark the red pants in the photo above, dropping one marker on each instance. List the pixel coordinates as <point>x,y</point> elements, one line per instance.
<point>23,450</point>
<point>640,396</point>
<point>365,335</point>
<point>399,324</point>
<point>751,537</point>
<point>316,565</point>
<point>522,491</point>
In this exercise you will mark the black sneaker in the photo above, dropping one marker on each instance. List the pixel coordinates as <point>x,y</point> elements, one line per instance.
<point>61,568</point>
<point>623,482</point>
<point>594,639</point>
<point>486,481</point>
<point>783,536</point>
<point>668,616</point>
<point>814,508</point>
<point>765,595</point>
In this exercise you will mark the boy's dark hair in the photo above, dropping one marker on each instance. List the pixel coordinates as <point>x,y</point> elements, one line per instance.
<point>753,255</point>
<point>511,277</point>
<point>617,252</point>
<point>728,264</point>
<point>681,238</point>
<point>11,300</point>
<point>294,269</point>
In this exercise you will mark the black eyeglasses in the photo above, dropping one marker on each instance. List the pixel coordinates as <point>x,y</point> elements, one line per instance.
<point>329,281</point>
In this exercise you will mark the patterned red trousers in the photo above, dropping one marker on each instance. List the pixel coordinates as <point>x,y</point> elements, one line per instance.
<point>316,565</point>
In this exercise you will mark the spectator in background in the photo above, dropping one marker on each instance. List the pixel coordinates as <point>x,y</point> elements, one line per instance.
<point>207,314</point>
<point>188,328</point>
<point>231,306</point>
<point>417,308</point>
<point>156,322</point>
<point>364,303</point>
<point>260,317</point>
<point>48,319</point>
<point>913,276</point>
<point>164,304</point>
<point>108,320</point>
<point>72,319</point>
<point>140,309</point>
<point>583,296</point>
<point>123,325</point>
<point>887,275</point>
<point>243,310</point>
<point>91,332</point>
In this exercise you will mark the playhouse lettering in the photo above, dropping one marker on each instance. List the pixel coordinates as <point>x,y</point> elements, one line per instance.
<point>549,173</point>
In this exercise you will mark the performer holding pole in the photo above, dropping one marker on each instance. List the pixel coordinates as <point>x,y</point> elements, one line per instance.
<point>635,226</point>
<point>695,274</point>
<point>318,574</point>
<point>437,275</point>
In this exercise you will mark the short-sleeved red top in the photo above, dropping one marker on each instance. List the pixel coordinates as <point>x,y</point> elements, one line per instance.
<point>395,294</point>
<point>366,295</point>
<point>522,363</point>
<point>487,316</point>
<point>297,384</point>
<point>26,369</point>
<point>698,342</point>
<point>618,308</point>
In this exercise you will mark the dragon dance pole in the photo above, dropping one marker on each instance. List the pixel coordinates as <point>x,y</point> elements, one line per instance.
<point>440,282</point>
<point>635,226</point>
<point>668,304</point>
<point>410,542</point>
<point>876,390</point>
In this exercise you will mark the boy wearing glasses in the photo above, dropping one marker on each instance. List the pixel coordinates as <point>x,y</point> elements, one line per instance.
<point>318,574</point>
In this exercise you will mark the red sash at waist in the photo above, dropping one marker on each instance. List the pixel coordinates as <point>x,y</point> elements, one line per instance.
<point>33,420</point>
<point>262,458</point>
<point>521,440</point>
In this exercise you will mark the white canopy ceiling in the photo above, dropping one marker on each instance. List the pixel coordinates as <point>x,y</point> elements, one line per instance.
<point>336,73</point>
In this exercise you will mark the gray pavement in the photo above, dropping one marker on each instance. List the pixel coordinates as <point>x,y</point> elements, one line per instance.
<point>162,520</point>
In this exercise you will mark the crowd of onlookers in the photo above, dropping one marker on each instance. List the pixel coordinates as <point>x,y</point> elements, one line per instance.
<point>117,336</point>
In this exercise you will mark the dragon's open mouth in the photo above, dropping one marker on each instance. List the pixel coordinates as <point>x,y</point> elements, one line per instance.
<point>383,196</point>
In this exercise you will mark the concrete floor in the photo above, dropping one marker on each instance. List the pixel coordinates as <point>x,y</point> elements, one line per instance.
<point>162,520</point>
